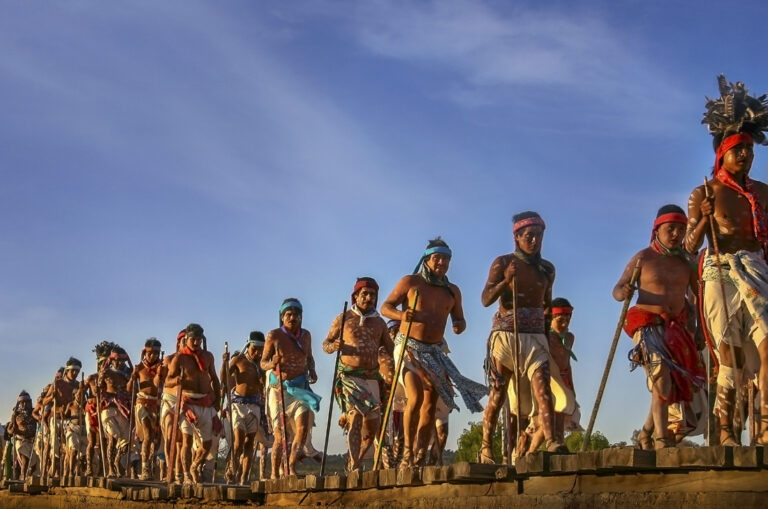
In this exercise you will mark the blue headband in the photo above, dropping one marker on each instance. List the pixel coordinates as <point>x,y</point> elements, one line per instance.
<point>438,249</point>
<point>393,323</point>
<point>290,304</point>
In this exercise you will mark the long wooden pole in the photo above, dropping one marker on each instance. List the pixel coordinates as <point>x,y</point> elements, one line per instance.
<point>284,428</point>
<point>333,386</point>
<point>171,467</point>
<point>391,398</point>
<point>517,372</point>
<point>102,449</point>
<point>611,353</point>
<point>228,395</point>
<point>736,371</point>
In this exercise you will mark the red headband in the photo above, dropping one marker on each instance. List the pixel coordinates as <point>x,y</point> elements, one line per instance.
<point>671,217</point>
<point>118,356</point>
<point>365,284</point>
<point>531,221</point>
<point>562,311</point>
<point>728,143</point>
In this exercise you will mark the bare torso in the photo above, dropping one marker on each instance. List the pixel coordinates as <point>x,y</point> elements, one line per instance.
<point>248,376</point>
<point>146,376</point>
<point>193,379</point>
<point>294,359</point>
<point>559,352</point>
<point>361,342</point>
<point>534,288</point>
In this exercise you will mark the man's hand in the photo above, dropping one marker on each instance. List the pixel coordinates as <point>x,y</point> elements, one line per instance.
<point>510,271</point>
<point>626,291</point>
<point>312,376</point>
<point>459,326</point>
<point>410,315</point>
<point>707,206</point>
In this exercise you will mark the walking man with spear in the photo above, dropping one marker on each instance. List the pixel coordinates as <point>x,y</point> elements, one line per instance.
<point>428,373</point>
<point>146,411</point>
<point>731,210</point>
<point>518,347</point>
<point>288,353</point>
<point>358,337</point>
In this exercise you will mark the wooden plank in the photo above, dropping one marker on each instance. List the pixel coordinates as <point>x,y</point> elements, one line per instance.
<point>33,480</point>
<point>388,477</point>
<point>464,471</point>
<point>239,494</point>
<point>410,476</point>
<point>354,480</point>
<point>626,458</point>
<point>695,457</point>
<point>334,482</point>
<point>259,487</point>
<point>80,481</point>
<point>297,484</point>
<point>187,491</point>
<point>748,457</point>
<point>34,489</point>
<point>212,494</point>
<point>564,463</point>
<point>311,482</point>
<point>588,461</point>
<point>370,479</point>
<point>536,463</point>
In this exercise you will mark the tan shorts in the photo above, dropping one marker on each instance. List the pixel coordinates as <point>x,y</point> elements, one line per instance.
<point>54,436</point>
<point>294,408</point>
<point>247,417</point>
<point>203,428</point>
<point>74,437</point>
<point>22,446</point>
<point>373,387</point>
<point>116,425</point>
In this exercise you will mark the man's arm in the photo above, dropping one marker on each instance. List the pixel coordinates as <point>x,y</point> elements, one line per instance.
<point>398,297</point>
<point>269,358</point>
<point>215,385</point>
<point>622,290</point>
<point>386,341</point>
<point>331,343</point>
<point>310,360</point>
<point>457,312</point>
<point>700,209</point>
<point>499,279</point>
<point>174,371</point>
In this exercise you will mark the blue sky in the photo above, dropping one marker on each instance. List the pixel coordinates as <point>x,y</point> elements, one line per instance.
<point>168,162</point>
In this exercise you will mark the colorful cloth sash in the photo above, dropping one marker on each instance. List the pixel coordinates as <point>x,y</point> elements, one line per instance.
<point>298,388</point>
<point>352,395</point>
<point>529,321</point>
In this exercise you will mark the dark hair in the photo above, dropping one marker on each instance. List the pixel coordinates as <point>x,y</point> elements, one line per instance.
<point>74,362</point>
<point>669,209</point>
<point>152,343</point>
<point>119,350</point>
<point>525,215</point>
<point>561,302</point>
<point>436,242</point>
<point>195,329</point>
<point>256,336</point>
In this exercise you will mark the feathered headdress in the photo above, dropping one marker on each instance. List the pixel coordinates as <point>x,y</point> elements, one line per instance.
<point>736,112</point>
<point>103,349</point>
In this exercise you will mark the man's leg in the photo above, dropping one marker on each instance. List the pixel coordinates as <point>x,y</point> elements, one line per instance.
<point>147,447</point>
<point>234,464</point>
<point>247,461</point>
<point>354,438</point>
<point>491,415</point>
<point>262,461</point>
<point>438,444</point>
<point>414,393</point>
<point>370,429</point>
<point>277,450</point>
<point>302,429</point>
<point>186,456</point>
<point>762,350</point>
<point>426,424</point>
<point>661,387</point>
<point>726,393</point>
<point>543,394</point>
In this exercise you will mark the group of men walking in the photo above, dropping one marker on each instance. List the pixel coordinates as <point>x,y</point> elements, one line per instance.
<point>394,381</point>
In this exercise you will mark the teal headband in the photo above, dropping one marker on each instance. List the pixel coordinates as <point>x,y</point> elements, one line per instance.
<point>290,304</point>
<point>438,249</point>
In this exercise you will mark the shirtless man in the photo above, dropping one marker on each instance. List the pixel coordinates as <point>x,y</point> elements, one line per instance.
<point>102,350</point>
<point>194,368</point>
<point>115,409</point>
<point>147,407</point>
<point>428,373</point>
<point>657,323</point>
<point>248,380</point>
<point>168,410</point>
<point>561,351</point>
<point>61,394</point>
<point>42,414</point>
<point>22,427</point>
<point>357,389</point>
<point>289,350</point>
<point>532,277</point>
<point>738,206</point>
<point>74,429</point>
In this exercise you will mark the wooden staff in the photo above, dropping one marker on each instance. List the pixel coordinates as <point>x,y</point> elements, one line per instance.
<point>52,434</point>
<point>607,370</point>
<point>228,396</point>
<point>174,430</point>
<point>516,379</point>
<point>34,441</point>
<point>736,371</point>
<point>283,426</point>
<point>131,423</point>
<point>388,409</point>
<point>333,387</point>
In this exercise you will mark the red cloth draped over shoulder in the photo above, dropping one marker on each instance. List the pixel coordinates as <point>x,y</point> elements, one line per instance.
<point>680,347</point>
<point>198,358</point>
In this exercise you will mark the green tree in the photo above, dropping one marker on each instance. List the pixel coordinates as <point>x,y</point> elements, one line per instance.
<point>471,440</point>
<point>596,442</point>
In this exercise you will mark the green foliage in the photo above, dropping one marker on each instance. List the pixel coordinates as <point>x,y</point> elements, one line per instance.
<point>471,440</point>
<point>596,442</point>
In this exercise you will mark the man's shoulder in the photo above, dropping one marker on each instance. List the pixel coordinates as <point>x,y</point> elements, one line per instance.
<point>548,267</point>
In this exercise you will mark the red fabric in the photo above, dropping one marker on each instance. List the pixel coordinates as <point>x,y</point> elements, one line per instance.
<point>196,354</point>
<point>365,284</point>
<point>205,401</point>
<point>151,404</point>
<point>727,144</point>
<point>672,217</point>
<point>92,411</point>
<point>562,311</point>
<point>680,346</point>
<point>528,222</point>
<point>759,220</point>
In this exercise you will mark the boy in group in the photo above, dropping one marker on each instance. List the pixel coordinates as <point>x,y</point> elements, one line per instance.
<point>657,323</point>
<point>22,427</point>
<point>735,273</point>
<point>147,404</point>
<point>115,409</point>
<point>61,394</point>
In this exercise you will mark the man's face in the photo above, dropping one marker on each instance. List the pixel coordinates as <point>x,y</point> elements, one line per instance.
<point>738,158</point>
<point>118,364</point>
<point>529,239</point>
<point>254,352</point>
<point>292,319</point>
<point>393,332</point>
<point>366,299</point>
<point>194,342</point>
<point>560,322</point>
<point>71,374</point>
<point>671,235</point>
<point>438,263</point>
<point>152,356</point>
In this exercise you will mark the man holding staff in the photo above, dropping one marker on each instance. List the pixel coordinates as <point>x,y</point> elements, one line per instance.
<point>522,284</point>
<point>115,409</point>
<point>428,373</point>
<point>61,394</point>
<point>735,274</point>
<point>288,353</point>
<point>168,411</point>
<point>658,324</point>
<point>22,428</point>
<point>357,390</point>
<point>248,380</point>
<point>147,408</point>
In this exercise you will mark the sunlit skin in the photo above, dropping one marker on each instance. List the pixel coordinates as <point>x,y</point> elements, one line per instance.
<point>732,215</point>
<point>661,289</point>
<point>74,413</point>
<point>562,359</point>
<point>21,427</point>
<point>147,430</point>
<point>166,425</point>
<point>248,379</point>
<point>63,392</point>
<point>93,431</point>
<point>363,345</point>
<point>428,319</point>
<point>184,370</point>
<point>293,362</point>
<point>113,382</point>
<point>533,290</point>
